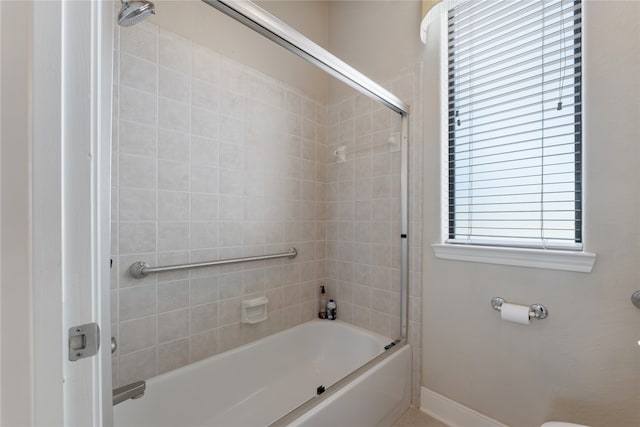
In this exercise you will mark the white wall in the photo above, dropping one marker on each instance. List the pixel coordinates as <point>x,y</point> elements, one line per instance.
<point>15,288</point>
<point>582,363</point>
<point>210,28</point>
<point>378,38</point>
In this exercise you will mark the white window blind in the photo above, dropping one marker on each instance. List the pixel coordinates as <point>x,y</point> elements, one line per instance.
<point>515,128</point>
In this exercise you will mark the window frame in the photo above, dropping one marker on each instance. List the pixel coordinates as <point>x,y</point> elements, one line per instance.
<point>568,260</point>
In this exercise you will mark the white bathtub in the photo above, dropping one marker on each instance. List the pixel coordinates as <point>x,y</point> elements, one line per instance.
<point>257,384</point>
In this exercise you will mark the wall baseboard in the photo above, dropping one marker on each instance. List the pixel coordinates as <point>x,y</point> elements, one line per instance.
<point>453,413</point>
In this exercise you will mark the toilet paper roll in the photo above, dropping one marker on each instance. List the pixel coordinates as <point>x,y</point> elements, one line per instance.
<point>515,313</point>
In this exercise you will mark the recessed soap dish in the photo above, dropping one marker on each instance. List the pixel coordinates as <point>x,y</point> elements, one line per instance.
<point>254,310</point>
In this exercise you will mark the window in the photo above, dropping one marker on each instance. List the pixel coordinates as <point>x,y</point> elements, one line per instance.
<point>515,128</point>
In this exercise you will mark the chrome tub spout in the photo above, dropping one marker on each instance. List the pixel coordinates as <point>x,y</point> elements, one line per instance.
<point>134,390</point>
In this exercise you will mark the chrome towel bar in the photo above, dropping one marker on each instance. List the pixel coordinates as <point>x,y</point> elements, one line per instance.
<point>141,269</point>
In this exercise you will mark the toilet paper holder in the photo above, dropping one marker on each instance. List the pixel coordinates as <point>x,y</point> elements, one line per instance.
<point>536,311</point>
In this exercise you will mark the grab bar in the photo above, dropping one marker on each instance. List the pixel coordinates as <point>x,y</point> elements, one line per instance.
<point>140,269</point>
<point>134,390</point>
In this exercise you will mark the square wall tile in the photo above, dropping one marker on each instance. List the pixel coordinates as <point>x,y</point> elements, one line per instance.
<point>217,161</point>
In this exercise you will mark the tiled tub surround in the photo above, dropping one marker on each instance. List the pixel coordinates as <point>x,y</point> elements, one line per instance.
<point>363,214</point>
<point>214,160</point>
<point>211,160</point>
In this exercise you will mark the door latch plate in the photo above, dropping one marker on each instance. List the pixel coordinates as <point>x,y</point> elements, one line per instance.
<point>84,341</point>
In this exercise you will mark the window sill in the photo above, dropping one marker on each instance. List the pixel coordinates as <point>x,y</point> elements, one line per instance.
<point>537,258</point>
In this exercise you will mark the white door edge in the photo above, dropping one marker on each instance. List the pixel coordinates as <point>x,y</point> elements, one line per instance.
<point>72,68</point>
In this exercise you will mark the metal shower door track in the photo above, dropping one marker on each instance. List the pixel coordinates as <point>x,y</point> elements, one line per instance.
<point>261,21</point>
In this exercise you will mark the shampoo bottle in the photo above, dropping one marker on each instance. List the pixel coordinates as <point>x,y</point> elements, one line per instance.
<point>332,310</point>
<point>322,313</point>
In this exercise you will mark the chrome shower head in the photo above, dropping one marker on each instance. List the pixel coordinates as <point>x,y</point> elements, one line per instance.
<point>135,11</point>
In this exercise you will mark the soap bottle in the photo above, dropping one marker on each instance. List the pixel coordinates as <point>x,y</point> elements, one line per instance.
<point>332,310</point>
<point>322,313</point>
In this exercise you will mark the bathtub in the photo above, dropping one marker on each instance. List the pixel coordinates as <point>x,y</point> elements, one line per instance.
<point>275,381</point>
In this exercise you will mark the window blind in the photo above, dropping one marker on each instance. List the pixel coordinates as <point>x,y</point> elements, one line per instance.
<point>515,123</point>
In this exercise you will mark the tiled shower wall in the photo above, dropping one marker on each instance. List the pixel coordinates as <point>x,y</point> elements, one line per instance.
<point>211,160</point>
<point>214,160</point>
<point>363,214</point>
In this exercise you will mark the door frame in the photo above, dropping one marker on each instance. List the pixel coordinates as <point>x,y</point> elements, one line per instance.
<point>71,154</point>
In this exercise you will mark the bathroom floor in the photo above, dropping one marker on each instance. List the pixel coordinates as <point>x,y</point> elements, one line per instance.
<point>414,418</point>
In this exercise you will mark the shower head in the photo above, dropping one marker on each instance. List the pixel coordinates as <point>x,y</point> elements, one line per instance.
<point>134,11</point>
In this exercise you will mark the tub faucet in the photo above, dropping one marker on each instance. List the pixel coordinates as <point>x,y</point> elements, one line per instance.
<point>134,390</point>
